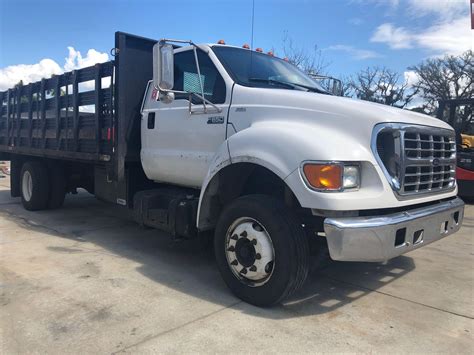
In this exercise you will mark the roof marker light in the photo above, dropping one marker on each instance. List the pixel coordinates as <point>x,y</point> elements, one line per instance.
<point>260,50</point>
<point>286,59</point>
<point>246,46</point>
<point>270,53</point>
<point>221,41</point>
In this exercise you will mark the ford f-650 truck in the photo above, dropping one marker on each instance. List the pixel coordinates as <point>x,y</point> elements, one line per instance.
<point>206,137</point>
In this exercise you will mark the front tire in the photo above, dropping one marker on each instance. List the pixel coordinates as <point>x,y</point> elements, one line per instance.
<point>261,250</point>
<point>34,186</point>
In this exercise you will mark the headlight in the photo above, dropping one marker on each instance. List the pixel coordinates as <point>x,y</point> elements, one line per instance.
<point>351,177</point>
<point>331,176</point>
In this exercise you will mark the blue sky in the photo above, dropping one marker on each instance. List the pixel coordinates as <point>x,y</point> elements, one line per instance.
<point>352,34</point>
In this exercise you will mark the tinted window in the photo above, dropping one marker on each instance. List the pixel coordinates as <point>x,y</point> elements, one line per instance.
<point>186,77</point>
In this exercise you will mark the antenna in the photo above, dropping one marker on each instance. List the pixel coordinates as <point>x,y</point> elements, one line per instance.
<point>251,40</point>
<point>253,16</point>
<point>472,17</point>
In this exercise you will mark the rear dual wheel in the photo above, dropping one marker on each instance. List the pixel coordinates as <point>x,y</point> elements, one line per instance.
<point>57,186</point>
<point>42,188</point>
<point>261,250</point>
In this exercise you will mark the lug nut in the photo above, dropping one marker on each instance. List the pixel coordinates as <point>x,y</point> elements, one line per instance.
<point>269,267</point>
<point>234,237</point>
<point>244,234</point>
<point>258,256</point>
<point>231,248</point>
<point>235,262</point>
<point>253,268</point>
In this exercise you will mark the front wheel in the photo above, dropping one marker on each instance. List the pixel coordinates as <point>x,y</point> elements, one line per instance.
<point>261,250</point>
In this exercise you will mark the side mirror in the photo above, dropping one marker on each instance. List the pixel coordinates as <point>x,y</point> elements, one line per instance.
<point>163,66</point>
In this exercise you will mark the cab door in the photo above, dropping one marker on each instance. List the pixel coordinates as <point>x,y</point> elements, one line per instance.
<point>177,145</point>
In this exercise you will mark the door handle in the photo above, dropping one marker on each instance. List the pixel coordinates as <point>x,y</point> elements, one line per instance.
<point>151,120</point>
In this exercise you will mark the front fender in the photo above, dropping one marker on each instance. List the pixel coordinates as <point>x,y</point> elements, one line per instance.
<point>223,158</point>
<point>279,147</point>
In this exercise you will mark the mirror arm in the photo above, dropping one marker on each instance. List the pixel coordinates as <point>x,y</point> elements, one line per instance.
<point>190,99</point>
<point>199,76</point>
<point>201,97</point>
<point>204,100</point>
<point>164,40</point>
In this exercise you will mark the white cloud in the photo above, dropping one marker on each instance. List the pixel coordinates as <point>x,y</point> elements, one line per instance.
<point>444,9</point>
<point>355,52</point>
<point>396,38</point>
<point>417,8</point>
<point>411,77</point>
<point>449,31</point>
<point>449,37</point>
<point>76,61</point>
<point>28,73</point>
<point>10,76</point>
<point>452,37</point>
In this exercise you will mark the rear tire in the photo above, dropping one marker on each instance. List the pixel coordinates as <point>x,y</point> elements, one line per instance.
<point>57,191</point>
<point>249,225</point>
<point>34,186</point>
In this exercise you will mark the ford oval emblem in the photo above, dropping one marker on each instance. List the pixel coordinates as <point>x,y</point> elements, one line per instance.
<point>435,162</point>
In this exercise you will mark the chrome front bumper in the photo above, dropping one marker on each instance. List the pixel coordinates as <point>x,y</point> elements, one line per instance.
<point>385,237</point>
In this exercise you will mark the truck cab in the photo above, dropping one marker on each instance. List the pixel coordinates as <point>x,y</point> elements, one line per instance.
<point>250,130</point>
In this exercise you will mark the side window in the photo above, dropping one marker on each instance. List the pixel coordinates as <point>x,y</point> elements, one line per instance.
<point>186,77</point>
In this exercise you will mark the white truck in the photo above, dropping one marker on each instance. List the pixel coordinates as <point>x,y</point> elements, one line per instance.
<point>214,137</point>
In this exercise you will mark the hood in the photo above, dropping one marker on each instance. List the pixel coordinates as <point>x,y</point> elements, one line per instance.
<point>342,110</point>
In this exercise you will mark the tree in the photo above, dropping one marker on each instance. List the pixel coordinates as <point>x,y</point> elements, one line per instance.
<point>346,90</point>
<point>381,85</point>
<point>310,61</point>
<point>451,77</point>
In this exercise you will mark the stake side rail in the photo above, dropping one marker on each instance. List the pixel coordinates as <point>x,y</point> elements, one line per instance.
<point>68,116</point>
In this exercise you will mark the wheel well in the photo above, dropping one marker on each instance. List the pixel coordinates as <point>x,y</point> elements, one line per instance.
<point>238,180</point>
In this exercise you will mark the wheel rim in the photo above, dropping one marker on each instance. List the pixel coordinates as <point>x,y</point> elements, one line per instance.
<point>27,185</point>
<point>249,251</point>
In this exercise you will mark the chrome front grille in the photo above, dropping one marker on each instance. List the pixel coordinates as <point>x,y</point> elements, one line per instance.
<point>416,159</point>
<point>429,162</point>
<point>419,145</point>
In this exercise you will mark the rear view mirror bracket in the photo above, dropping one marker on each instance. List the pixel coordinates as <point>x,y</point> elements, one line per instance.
<point>163,76</point>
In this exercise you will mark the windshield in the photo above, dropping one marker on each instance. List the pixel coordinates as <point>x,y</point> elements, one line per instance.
<point>256,69</point>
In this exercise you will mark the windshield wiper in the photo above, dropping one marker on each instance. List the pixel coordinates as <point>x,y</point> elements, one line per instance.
<point>289,85</point>
<point>311,88</point>
<point>273,81</point>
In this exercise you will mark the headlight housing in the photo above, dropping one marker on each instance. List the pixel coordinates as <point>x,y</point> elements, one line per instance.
<point>331,176</point>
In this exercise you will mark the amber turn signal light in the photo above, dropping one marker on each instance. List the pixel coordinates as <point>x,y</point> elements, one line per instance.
<point>323,176</point>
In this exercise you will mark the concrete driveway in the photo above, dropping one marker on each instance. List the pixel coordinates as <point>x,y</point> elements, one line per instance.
<point>85,279</point>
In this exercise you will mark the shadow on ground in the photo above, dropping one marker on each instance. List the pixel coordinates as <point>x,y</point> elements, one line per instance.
<point>189,266</point>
